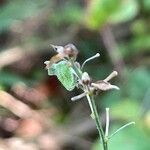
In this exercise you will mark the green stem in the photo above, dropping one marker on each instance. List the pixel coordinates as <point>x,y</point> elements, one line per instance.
<point>93,108</point>
<point>97,121</point>
<point>121,128</point>
<point>79,74</point>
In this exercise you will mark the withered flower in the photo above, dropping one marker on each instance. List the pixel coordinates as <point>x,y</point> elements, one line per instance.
<point>71,51</point>
<point>95,87</point>
<point>66,52</point>
<point>104,85</point>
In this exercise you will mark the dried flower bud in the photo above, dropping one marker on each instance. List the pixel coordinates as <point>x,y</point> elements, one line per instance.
<point>68,51</point>
<point>86,78</point>
<point>71,51</point>
<point>104,86</point>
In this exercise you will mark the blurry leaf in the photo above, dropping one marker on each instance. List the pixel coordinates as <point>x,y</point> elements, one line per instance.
<point>136,46</point>
<point>140,43</point>
<point>111,98</point>
<point>139,27</point>
<point>8,79</point>
<point>146,4</point>
<point>147,120</point>
<point>127,109</point>
<point>64,74</point>
<point>18,10</point>
<point>138,83</point>
<point>64,16</point>
<point>127,11</point>
<point>99,12</point>
<point>131,138</point>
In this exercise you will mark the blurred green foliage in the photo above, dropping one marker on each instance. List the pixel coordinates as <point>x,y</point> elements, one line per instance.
<point>18,10</point>
<point>112,11</point>
<point>132,138</point>
<point>72,14</point>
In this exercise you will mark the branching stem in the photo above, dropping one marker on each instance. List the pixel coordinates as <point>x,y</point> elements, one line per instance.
<point>97,121</point>
<point>121,128</point>
<point>95,116</point>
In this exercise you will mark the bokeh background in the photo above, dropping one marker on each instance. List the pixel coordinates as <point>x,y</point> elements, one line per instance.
<point>36,111</point>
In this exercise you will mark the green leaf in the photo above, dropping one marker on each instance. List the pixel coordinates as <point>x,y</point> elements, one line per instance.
<point>99,11</point>
<point>7,79</point>
<point>138,83</point>
<point>126,12</point>
<point>113,11</point>
<point>61,15</point>
<point>146,5</point>
<point>127,109</point>
<point>64,74</point>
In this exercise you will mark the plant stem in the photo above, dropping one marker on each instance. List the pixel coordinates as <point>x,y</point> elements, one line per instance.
<point>95,116</point>
<point>107,122</point>
<point>97,121</point>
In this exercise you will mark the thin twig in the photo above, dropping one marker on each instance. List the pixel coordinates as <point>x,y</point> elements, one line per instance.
<point>112,75</point>
<point>107,122</point>
<point>98,124</point>
<point>89,59</point>
<point>121,128</point>
<point>78,96</point>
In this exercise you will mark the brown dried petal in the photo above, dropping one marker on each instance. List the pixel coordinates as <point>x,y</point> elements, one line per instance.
<point>68,51</point>
<point>53,60</point>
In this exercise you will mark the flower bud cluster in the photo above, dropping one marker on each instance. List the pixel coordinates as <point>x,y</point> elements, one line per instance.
<point>69,52</point>
<point>96,87</point>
